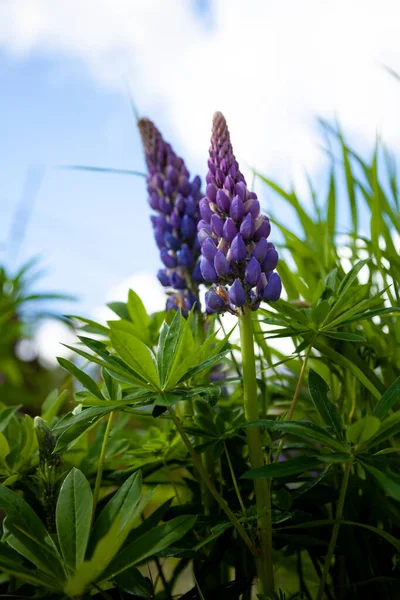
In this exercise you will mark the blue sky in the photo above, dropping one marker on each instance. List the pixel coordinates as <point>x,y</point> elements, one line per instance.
<point>63,75</point>
<point>91,230</point>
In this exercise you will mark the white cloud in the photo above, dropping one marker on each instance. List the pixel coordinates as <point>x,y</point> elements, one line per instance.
<point>271,67</point>
<point>145,285</point>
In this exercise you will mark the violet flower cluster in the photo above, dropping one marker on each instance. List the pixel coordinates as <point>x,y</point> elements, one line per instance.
<point>175,198</point>
<point>236,255</point>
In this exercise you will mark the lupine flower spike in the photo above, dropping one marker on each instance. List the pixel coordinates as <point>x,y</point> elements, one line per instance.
<point>236,256</point>
<point>176,201</point>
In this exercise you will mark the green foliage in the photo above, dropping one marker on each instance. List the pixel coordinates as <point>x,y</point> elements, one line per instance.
<point>164,394</point>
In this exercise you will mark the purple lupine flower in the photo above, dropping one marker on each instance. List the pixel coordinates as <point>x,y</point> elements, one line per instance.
<point>175,198</point>
<point>236,256</point>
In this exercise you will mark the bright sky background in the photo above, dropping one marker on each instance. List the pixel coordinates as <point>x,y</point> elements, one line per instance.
<point>271,67</point>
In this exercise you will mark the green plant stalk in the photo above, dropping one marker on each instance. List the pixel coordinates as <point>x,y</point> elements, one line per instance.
<point>100,466</point>
<point>296,392</point>
<point>335,531</point>
<point>237,490</point>
<point>206,457</point>
<point>204,475</point>
<point>261,486</point>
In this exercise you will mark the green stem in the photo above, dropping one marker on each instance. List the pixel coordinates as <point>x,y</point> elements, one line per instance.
<point>296,392</point>
<point>261,486</point>
<point>204,475</point>
<point>102,457</point>
<point>335,531</point>
<point>237,490</point>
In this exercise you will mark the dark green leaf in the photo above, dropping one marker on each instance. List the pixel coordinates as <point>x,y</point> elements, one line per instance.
<point>286,468</point>
<point>328,411</point>
<point>388,400</point>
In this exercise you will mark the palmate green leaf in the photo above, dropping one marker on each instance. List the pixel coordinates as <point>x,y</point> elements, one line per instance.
<point>388,400</point>
<point>328,411</point>
<point>136,354</point>
<point>344,289</point>
<point>294,466</point>
<point>303,429</point>
<point>73,518</point>
<point>72,426</point>
<point>81,376</point>
<point>149,544</point>
<point>363,429</point>
<point>25,533</point>
<point>122,505</point>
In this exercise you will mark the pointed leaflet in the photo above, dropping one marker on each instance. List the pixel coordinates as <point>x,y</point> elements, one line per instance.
<point>362,430</point>
<point>388,400</point>
<point>149,544</point>
<point>167,343</point>
<point>72,426</point>
<point>319,394</point>
<point>389,482</point>
<point>122,504</point>
<point>25,532</point>
<point>302,429</point>
<point>105,551</point>
<point>139,317</point>
<point>12,563</point>
<point>136,354</point>
<point>344,288</point>
<point>112,363</point>
<point>81,376</point>
<point>294,466</point>
<point>389,427</point>
<point>184,355</point>
<point>73,517</point>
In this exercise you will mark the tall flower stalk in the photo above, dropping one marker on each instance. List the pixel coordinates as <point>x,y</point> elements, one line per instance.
<point>175,199</point>
<point>239,262</point>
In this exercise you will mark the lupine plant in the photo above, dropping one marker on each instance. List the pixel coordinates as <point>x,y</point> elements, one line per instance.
<point>200,463</point>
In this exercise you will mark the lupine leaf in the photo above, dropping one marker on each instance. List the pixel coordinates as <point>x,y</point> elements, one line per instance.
<point>135,354</point>
<point>328,411</point>
<point>388,400</point>
<point>150,544</point>
<point>73,517</point>
<point>81,376</point>
<point>286,468</point>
